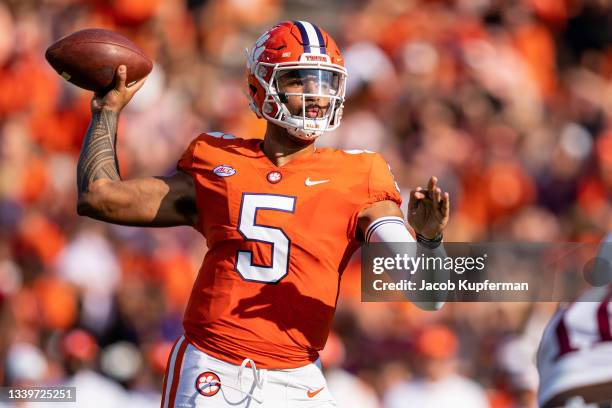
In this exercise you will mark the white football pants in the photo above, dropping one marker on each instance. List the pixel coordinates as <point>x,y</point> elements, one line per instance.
<point>196,379</point>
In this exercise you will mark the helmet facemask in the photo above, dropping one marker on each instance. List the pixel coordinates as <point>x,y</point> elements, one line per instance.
<point>305,98</point>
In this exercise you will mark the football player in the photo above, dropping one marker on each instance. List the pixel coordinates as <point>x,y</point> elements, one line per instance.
<point>281,219</point>
<point>575,354</point>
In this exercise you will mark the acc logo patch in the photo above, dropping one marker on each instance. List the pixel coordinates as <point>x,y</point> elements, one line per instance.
<point>223,170</point>
<point>208,384</point>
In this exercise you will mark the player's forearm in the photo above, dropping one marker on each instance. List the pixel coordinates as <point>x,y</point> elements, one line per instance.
<point>97,162</point>
<point>98,159</point>
<point>430,300</point>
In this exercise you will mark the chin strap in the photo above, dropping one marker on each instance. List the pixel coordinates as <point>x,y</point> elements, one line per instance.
<point>302,134</point>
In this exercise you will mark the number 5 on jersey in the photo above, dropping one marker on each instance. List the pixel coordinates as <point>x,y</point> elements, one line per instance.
<point>276,237</point>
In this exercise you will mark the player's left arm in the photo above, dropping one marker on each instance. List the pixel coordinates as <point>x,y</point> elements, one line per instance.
<point>428,214</point>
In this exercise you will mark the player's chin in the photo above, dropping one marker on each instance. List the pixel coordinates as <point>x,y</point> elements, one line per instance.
<point>322,112</point>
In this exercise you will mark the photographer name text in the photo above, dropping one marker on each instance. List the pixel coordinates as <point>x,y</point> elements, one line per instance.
<point>461,285</point>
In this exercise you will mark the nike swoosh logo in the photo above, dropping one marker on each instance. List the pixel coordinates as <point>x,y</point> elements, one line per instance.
<point>312,394</point>
<point>310,182</point>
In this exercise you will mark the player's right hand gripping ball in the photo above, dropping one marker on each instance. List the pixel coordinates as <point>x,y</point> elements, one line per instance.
<point>89,59</point>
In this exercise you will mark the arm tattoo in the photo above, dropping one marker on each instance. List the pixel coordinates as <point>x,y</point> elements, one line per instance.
<point>98,157</point>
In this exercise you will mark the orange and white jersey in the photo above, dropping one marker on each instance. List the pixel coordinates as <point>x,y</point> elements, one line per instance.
<point>576,347</point>
<point>279,239</point>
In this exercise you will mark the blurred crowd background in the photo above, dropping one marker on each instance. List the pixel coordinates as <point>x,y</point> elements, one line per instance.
<point>508,102</point>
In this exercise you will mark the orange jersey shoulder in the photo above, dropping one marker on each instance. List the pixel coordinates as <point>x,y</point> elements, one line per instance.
<point>372,169</point>
<point>213,145</point>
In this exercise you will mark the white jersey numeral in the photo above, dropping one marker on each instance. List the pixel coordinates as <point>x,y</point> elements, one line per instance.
<point>251,231</point>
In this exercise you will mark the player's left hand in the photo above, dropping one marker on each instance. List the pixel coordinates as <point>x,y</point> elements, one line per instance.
<point>428,210</point>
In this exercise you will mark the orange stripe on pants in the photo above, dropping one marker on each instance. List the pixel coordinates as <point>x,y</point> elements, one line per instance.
<point>173,372</point>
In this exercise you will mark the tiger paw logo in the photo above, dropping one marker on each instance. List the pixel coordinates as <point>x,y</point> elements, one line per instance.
<point>208,384</point>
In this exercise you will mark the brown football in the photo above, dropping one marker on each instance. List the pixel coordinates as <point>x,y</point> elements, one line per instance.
<point>89,58</point>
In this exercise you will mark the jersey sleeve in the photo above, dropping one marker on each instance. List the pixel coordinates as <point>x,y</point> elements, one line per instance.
<point>381,184</point>
<point>191,159</point>
<point>381,187</point>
